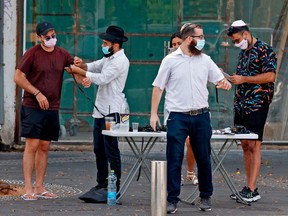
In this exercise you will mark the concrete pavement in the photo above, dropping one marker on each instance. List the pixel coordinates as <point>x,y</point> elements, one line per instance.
<point>71,173</point>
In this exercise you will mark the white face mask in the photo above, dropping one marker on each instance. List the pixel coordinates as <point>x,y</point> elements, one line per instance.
<point>50,43</point>
<point>242,45</point>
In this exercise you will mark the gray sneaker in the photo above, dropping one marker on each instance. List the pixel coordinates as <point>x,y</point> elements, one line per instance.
<point>171,208</point>
<point>205,204</point>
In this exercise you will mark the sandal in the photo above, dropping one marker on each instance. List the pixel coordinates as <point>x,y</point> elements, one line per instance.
<point>47,195</point>
<point>192,177</point>
<point>29,197</point>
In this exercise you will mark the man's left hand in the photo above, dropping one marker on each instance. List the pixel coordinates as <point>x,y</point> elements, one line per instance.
<point>224,84</point>
<point>237,79</point>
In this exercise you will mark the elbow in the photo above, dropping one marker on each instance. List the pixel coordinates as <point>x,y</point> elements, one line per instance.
<point>272,77</point>
<point>15,79</point>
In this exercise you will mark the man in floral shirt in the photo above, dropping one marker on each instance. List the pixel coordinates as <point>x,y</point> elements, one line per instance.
<point>254,77</point>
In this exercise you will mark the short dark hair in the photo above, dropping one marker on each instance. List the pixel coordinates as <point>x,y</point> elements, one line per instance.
<point>188,29</point>
<point>174,35</point>
<point>236,29</point>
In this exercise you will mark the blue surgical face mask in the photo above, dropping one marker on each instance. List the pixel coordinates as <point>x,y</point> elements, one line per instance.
<point>200,44</point>
<point>106,50</point>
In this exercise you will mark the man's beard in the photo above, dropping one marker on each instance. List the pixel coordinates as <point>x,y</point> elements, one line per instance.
<point>110,54</point>
<point>193,50</point>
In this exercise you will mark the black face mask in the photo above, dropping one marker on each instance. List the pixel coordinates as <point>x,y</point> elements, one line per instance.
<point>193,50</point>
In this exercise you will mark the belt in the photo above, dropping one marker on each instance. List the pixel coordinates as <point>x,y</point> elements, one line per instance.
<point>197,111</point>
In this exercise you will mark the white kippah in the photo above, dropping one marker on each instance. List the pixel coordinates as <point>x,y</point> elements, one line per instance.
<point>238,23</point>
<point>184,26</point>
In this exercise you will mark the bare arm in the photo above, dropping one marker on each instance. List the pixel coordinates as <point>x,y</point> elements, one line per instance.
<point>258,79</point>
<point>156,96</point>
<point>21,80</point>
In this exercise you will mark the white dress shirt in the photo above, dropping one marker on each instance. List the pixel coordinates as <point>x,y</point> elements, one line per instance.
<point>185,80</point>
<point>110,75</point>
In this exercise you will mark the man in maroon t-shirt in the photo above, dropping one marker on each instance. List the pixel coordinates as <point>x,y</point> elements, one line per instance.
<point>40,74</point>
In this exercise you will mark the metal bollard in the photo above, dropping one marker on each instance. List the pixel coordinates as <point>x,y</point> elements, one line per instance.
<point>158,188</point>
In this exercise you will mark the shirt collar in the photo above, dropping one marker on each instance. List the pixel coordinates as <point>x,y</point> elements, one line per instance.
<point>115,55</point>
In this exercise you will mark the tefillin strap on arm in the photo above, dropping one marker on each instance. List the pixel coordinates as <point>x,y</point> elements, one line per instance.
<point>88,98</point>
<point>217,96</point>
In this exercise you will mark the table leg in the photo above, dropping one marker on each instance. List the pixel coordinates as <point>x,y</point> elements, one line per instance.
<point>141,155</point>
<point>219,166</point>
<point>226,176</point>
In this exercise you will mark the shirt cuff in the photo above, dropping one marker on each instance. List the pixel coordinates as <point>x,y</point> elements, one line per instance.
<point>89,74</point>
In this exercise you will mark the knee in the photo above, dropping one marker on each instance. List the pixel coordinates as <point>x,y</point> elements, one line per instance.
<point>44,146</point>
<point>245,146</point>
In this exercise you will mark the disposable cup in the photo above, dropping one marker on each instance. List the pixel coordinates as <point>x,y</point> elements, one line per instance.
<point>135,126</point>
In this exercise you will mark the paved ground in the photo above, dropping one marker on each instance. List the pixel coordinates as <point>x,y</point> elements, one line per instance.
<point>70,173</point>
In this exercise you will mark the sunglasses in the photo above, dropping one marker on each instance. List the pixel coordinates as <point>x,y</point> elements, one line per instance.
<point>47,38</point>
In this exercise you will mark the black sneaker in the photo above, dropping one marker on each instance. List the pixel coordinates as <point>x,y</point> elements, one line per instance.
<point>256,195</point>
<point>205,204</point>
<point>171,208</point>
<point>247,195</point>
<point>233,196</point>
<point>95,195</point>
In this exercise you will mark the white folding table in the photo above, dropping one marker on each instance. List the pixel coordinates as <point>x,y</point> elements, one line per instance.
<point>140,154</point>
<point>152,137</point>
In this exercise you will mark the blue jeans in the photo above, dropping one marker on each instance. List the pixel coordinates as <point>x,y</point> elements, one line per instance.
<point>198,128</point>
<point>106,150</point>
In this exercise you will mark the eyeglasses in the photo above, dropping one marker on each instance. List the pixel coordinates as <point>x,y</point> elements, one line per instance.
<point>47,38</point>
<point>201,37</point>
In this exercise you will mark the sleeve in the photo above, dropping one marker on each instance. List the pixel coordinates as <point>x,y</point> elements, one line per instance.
<point>70,59</point>
<point>96,66</point>
<point>163,74</point>
<point>214,74</point>
<point>108,74</point>
<point>268,57</point>
<point>26,62</point>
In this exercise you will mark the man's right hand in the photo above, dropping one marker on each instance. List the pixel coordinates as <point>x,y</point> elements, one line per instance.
<point>154,119</point>
<point>78,61</point>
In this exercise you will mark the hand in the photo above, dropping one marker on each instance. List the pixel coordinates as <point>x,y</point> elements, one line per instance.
<point>42,101</point>
<point>86,82</point>
<point>74,69</point>
<point>78,61</point>
<point>68,69</point>
<point>237,79</point>
<point>154,119</point>
<point>224,84</point>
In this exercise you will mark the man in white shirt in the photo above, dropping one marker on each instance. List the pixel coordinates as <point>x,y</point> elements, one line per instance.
<point>110,74</point>
<point>184,75</point>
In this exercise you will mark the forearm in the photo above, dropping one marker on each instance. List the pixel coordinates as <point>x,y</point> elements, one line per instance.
<point>156,96</point>
<point>84,66</point>
<point>21,80</point>
<point>79,78</point>
<point>267,77</point>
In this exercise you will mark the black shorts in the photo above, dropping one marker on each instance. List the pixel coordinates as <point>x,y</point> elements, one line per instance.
<point>254,121</point>
<point>39,124</point>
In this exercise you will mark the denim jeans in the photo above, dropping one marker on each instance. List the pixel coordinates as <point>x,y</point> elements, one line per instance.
<point>106,150</point>
<point>198,128</point>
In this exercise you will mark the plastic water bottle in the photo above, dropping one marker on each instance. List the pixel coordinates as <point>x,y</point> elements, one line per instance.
<point>111,195</point>
<point>124,116</point>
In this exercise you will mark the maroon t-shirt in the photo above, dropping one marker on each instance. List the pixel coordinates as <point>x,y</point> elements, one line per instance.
<point>45,70</point>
